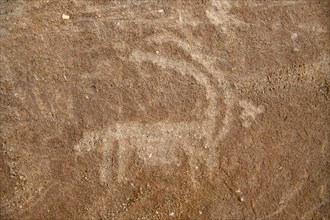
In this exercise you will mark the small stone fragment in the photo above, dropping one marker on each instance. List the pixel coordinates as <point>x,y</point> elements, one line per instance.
<point>65,17</point>
<point>294,36</point>
<point>171,214</point>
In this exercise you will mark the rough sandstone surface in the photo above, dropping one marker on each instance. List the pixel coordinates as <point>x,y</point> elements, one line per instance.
<point>210,109</point>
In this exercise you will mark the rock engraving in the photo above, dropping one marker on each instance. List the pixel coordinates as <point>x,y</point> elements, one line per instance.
<point>157,143</point>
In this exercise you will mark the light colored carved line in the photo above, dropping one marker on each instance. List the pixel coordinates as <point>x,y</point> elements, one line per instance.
<point>219,14</point>
<point>277,4</point>
<point>209,125</point>
<point>186,68</point>
<point>229,97</point>
<point>107,160</point>
<point>123,13</point>
<point>316,28</point>
<point>207,61</point>
<point>125,130</point>
<point>98,9</point>
<point>249,113</point>
<point>168,21</point>
<point>87,143</point>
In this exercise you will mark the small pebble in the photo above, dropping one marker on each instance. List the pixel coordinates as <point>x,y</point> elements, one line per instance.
<point>294,36</point>
<point>171,214</point>
<point>65,17</point>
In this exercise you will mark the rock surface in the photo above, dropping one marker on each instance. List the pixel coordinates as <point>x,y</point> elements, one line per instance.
<point>127,109</point>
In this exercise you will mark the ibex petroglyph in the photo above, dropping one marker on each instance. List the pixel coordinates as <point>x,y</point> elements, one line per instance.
<point>156,143</point>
